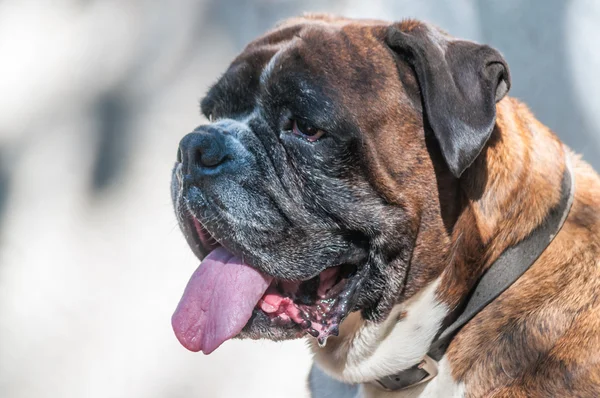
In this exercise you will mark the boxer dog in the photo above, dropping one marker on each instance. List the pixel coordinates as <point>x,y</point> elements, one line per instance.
<point>356,180</point>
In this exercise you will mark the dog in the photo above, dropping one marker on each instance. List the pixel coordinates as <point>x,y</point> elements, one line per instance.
<point>356,182</point>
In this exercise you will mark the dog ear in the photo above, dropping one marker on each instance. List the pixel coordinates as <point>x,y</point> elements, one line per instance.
<point>460,83</point>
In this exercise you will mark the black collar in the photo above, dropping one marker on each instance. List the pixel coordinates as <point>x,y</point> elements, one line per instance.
<point>509,266</point>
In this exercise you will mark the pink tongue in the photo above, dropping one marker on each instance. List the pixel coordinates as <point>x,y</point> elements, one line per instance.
<point>217,301</point>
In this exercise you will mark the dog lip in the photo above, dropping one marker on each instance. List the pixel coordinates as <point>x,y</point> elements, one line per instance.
<point>193,239</point>
<point>207,240</point>
<point>202,241</point>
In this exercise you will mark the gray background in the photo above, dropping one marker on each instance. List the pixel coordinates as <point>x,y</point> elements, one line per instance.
<point>95,97</point>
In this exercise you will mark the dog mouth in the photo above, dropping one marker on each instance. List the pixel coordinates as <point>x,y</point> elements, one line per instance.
<point>317,306</point>
<point>225,295</point>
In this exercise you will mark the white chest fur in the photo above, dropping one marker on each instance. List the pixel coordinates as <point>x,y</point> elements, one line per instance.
<point>370,351</point>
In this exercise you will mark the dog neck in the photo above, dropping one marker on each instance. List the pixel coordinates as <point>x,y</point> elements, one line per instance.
<point>495,206</point>
<point>508,191</point>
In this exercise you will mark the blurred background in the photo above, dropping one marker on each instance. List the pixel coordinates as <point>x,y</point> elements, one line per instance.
<point>95,96</point>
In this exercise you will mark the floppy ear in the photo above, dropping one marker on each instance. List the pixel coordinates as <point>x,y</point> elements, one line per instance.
<point>460,83</point>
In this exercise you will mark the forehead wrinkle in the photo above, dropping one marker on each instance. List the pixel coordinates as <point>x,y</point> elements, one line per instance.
<point>268,69</point>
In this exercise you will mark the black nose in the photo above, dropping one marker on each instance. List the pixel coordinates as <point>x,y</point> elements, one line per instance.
<point>205,148</point>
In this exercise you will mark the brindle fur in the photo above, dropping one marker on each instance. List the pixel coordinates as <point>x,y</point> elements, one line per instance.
<point>540,337</point>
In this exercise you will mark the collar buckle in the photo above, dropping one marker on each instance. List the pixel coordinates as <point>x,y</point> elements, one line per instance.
<point>421,373</point>
<point>430,366</point>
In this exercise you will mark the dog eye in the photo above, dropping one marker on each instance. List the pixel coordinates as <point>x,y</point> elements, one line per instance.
<point>304,130</point>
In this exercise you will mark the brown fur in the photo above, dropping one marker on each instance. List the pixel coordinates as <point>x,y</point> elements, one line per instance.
<point>540,337</point>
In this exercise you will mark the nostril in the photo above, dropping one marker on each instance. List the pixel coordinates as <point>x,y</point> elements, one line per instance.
<point>211,157</point>
<point>203,148</point>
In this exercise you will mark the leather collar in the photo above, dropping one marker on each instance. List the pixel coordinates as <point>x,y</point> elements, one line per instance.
<point>509,266</point>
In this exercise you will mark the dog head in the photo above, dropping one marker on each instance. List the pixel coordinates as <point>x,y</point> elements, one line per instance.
<point>325,182</point>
